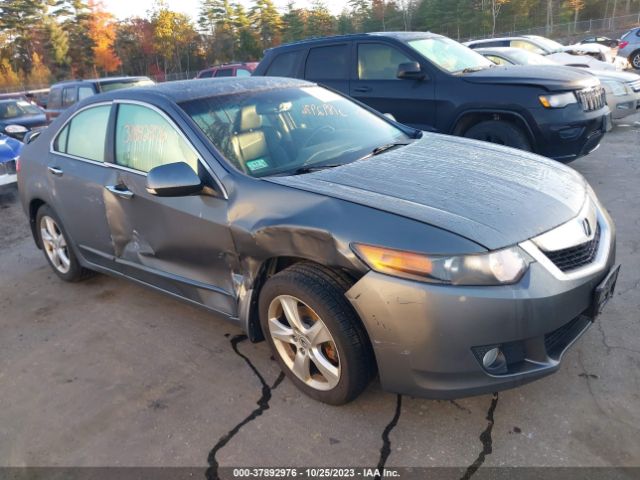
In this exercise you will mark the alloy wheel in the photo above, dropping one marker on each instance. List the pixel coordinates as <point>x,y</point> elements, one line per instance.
<point>304,342</point>
<point>54,244</point>
<point>636,61</point>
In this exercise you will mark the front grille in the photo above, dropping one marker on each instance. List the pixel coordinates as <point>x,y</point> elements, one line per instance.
<point>575,257</point>
<point>556,341</point>
<point>591,98</point>
<point>635,85</point>
<point>8,168</point>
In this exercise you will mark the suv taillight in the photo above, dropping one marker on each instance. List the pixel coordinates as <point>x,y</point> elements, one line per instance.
<point>623,44</point>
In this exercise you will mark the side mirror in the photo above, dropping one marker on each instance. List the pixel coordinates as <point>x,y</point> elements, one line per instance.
<point>411,71</point>
<point>173,180</point>
<point>16,131</point>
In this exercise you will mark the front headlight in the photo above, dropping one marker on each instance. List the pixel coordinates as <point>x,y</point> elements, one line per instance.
<point>559,100</point>
<point>617,88</point>
<point>499,267</point>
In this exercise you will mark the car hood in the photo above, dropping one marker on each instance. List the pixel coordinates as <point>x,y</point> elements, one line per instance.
<point>9,148</point>
<point>493,195</point>
<point>626,77</point>
<point>567,59</point>
<point>550,77</point>
<point>28,121</point>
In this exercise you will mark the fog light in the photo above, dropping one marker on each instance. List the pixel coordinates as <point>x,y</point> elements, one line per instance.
<point>490,357</point>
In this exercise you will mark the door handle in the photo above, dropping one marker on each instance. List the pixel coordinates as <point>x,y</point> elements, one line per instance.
<point>120,190</point>
<point>55,171</point>
<point>362,89</point>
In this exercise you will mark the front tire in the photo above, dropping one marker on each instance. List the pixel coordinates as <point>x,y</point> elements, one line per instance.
<point>57,248</point>
<point>500,132</point>
<point>314,333</point>
<point>634,59</point>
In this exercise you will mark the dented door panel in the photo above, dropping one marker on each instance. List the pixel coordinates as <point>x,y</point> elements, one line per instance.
<point>181,245</point>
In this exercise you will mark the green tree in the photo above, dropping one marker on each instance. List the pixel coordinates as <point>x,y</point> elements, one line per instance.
<point>267,22</point>
<point>22,20</point>
<point>247,47</point>
<point>295,20</point>
<point>320,22</point>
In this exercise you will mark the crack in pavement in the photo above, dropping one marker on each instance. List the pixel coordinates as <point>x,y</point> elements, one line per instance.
<point>485,439</point>
<point>263,404</point>
<point>385,450</point>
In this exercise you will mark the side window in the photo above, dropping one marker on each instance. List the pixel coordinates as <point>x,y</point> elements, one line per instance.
<point>498,60</point>
<point>284,65</point>
<point>69,96</point>
<point>225,72</point>
<point>73,138</point>
<point>55,98</point>
<point>85,92</point>
<point>327,63</point>
<point>377,61</point>
<point>242,72</point>
<point>145,139</point>
<point>206,74</point>
<point>525,45</point>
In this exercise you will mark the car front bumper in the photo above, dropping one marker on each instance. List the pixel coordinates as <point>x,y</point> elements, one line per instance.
<point>569,133</point>
<point>429,339</point>
<point>623,105</point>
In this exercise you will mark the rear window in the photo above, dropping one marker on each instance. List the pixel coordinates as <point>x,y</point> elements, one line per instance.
<point>225,72</point>
<point>327,63</point>
<point>109,86</point>
<point>69,96</point>
<point>73,139</point>
<point>284,65</point>
<point>206,74</point>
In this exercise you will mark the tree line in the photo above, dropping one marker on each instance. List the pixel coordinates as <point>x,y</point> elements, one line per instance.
<point>42,41</point>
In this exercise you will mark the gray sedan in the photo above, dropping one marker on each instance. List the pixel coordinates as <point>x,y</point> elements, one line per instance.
<point>353,244</point>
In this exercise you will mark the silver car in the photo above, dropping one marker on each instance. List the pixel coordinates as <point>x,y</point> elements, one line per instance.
<point>630,47</point>
<point>351,243</point>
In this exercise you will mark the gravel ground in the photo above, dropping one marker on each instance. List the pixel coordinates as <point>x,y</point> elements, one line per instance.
<point>107,373</point>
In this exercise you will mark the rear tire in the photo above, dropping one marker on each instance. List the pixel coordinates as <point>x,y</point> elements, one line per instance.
<point>634,59</point>
<point>57,247</point>
<point>323,348</point>
<point>500,132</point>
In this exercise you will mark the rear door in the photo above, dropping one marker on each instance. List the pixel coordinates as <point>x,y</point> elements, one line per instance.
<point>77,173</point>
<point>329,65</point>
<point>180,244</point>
<point>376,84</point>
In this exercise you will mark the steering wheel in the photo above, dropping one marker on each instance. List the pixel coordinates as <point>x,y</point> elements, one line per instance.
<point>316,132</point>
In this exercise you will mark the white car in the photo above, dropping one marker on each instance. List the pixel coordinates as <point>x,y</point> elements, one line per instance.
<point>593,55</point>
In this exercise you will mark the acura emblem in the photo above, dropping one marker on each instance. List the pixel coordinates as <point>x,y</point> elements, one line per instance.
<point>586,226</point>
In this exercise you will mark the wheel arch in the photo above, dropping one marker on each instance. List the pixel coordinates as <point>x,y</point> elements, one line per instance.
<point>248,310</point>
<point>35,205</point>
<point>470,118</point>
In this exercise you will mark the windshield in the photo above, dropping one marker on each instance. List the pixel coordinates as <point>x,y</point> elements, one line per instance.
<point>18,108</point>
<point>524,57</point>
<point>547,43</point>
<point>450,55</point>
<point>109,86</point>
<point>290,130</point>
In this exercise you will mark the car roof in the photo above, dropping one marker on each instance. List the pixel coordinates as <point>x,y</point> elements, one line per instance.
<point>98,80</point>
<point>186,90</point>
<point>497,49</point>
<point>401,36</point>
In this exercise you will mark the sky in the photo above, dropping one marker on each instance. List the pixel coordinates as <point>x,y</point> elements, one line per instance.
<point>128,8</point>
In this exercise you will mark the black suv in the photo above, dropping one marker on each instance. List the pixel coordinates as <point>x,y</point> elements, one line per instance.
<point>64,94</point>
<point>433,83</point>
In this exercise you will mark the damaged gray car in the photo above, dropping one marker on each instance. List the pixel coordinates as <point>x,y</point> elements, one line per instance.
<point>354,245</point>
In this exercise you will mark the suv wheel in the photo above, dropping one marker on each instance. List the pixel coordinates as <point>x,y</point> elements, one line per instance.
<point>315,334</point>
<point>57,247</point>
<point>634,59</point>
<point>500,132</point>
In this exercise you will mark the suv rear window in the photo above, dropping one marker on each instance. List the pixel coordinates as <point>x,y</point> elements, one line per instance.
<point>327,63</point>
<point>284,65</point>
<point>69,96</point>
<point>55,98</point>
<point>206,74</point>
<point>225,72</point>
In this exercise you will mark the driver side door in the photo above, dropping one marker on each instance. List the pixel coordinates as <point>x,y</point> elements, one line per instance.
<point>181,245</point>
<point>376,84</point>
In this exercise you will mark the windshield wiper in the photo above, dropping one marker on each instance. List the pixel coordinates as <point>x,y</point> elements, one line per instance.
<point>313,168</point>
<point>383,148</point>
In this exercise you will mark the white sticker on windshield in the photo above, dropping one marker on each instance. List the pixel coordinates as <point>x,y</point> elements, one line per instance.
<point>322,94</point>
